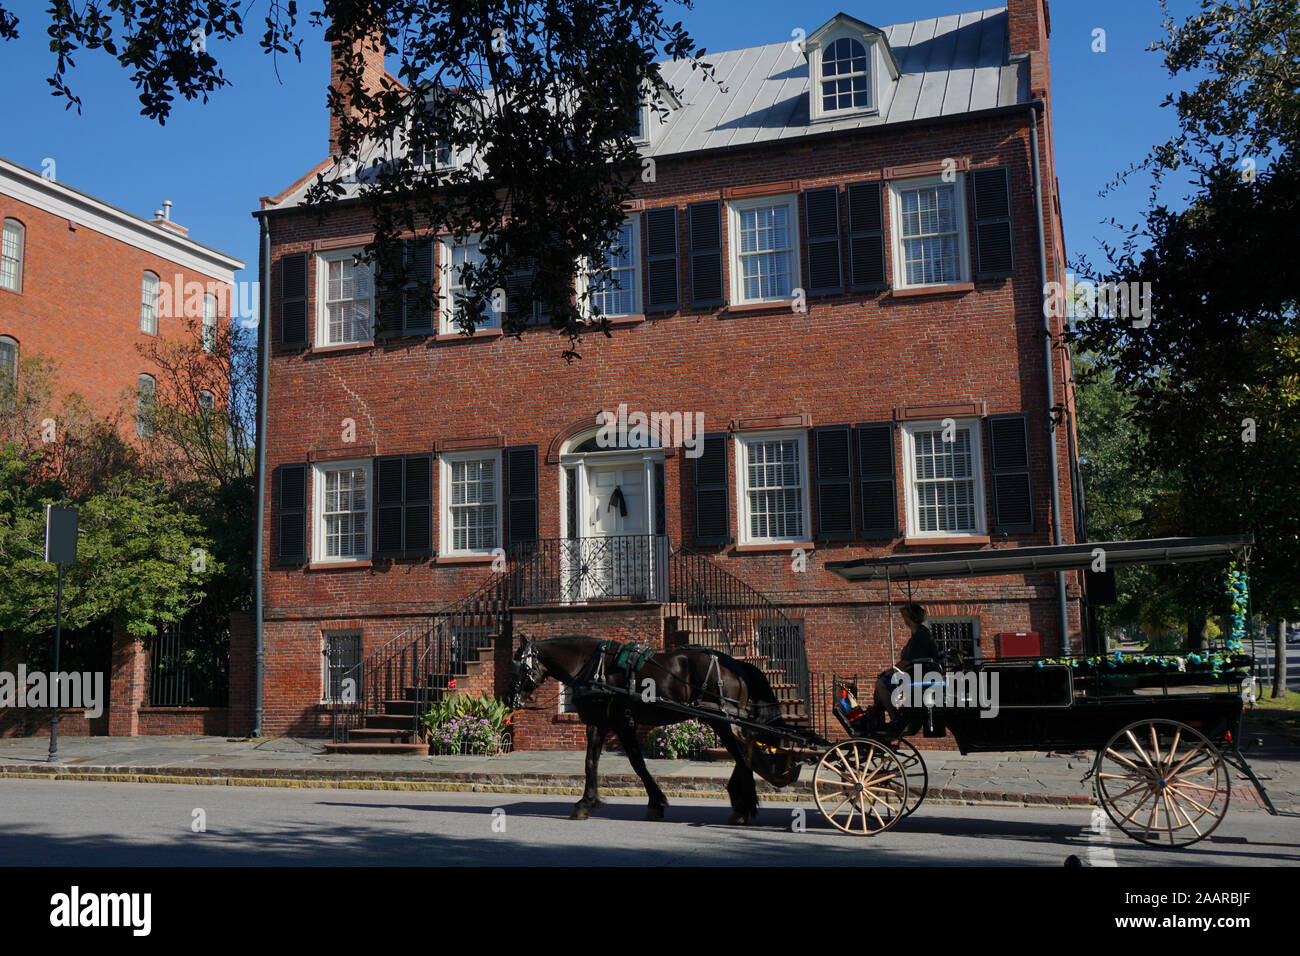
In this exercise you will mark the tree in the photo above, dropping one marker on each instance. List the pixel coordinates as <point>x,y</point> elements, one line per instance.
<point>134,557</point>
<point>537,97</point>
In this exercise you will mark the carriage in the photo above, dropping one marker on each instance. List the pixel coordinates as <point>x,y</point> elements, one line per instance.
<point>1166,729</point>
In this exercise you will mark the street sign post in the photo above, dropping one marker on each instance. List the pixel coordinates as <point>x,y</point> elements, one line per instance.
<point>60,549</point>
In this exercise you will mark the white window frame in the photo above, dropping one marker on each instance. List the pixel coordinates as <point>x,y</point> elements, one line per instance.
<point>445,530</point>
<point>909,430</point>
<point>144,410</point>
<point>318,510</point>
<point>151,326</point>
<point>19,228</point>
<point>585,277</point>
<point>446,317</point>
<point>871,44</point>
<point>326,637</point>
<point>741,444</point>
<point>323,259</point>
<point>896,189</point>
<point>209,326</point>
<point>734,209</point>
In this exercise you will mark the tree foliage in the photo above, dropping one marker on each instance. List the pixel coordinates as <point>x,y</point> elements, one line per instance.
<point>536,97</point>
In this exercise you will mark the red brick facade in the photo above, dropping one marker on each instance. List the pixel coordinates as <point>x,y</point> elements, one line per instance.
<point>852,358</point>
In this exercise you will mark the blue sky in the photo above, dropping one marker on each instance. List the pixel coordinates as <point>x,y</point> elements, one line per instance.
<point>214,160</point>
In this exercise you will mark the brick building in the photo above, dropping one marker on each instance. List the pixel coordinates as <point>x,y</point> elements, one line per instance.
<point>85,284</point>
<point>903,179</point>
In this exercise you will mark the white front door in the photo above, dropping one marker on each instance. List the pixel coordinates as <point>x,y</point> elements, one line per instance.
<point>616,549</point>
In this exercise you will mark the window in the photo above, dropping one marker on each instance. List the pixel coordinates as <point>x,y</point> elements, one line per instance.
<point>342,505</point>
<point>144,400</point>
<point>944,479</point>
<point>471,496</point>
<point>772,483</point>
<point>209,322</point>
<point>149,304</point>
<point>11,255</point>
<point>206,403</point>
<point>956,636</point>
<point>929,232</point>
<point>346,297</point>
<point>764,249</point>
<point>342,655</point>
<point>8,361</point>
<point>455,256</point>
<point>620,293</point>
<point>440,156</point>
<point>846,76</point>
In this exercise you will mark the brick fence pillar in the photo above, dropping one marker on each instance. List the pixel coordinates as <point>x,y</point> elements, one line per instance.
<point>128,683</point>
<point>243,662</point>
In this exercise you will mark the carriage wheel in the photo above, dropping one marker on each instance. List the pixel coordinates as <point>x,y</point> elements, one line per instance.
<point>1163,783</point>
<point>861,787</point>
<point>918,778</point>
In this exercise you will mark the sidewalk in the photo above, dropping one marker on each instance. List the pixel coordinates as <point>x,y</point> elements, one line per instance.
<point>1016,778</point>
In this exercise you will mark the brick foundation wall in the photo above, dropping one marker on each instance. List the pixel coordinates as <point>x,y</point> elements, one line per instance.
<point>205,721</point>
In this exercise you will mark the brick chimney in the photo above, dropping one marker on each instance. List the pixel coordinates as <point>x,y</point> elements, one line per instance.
<point>1029,25</point>
<point>373,75</point>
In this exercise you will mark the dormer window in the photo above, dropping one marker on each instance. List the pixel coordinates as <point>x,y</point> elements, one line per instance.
<point>846,76</point>
<point>851,69</point>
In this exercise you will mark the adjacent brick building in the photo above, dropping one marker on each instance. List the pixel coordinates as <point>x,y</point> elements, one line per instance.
<point>85,284</point>
<point>888,178</point>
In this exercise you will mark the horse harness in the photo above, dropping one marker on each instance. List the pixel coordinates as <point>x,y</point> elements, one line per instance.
<point>592,680</point>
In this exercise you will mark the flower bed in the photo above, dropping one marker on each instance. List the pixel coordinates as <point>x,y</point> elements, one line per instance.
<point>686,740</point>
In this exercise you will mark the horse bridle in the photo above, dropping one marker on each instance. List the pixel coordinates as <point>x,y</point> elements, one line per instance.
<point>529,672</point>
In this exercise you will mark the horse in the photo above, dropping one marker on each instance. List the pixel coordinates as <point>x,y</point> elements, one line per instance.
<point>715,685</point>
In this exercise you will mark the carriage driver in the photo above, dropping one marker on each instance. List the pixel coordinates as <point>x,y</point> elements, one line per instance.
<point>919,648</point>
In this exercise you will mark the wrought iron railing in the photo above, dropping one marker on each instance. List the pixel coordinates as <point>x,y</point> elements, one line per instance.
<point>186,670</point>
<point>724,608</point>
<point>628,567</point>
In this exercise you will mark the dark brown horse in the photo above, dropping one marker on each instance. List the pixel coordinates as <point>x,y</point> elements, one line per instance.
<point>715,685</point>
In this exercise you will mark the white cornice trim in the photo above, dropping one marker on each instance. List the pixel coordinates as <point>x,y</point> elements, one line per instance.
<point>94,214</point>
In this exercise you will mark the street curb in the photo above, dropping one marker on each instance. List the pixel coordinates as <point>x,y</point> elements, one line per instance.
<point>616,785</point>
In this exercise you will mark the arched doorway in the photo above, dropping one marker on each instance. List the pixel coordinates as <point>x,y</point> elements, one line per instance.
<point>615,543</point>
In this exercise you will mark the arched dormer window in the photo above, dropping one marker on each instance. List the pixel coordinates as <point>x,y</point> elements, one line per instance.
<point>12,241</point>
<point>845,76</point>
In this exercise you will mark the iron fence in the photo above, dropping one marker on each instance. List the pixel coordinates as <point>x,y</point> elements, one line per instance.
<point>188,668</point>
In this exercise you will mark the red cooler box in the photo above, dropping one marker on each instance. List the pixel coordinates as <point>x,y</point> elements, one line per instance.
<point>1019,644</point>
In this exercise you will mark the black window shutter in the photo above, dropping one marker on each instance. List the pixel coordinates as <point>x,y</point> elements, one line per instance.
<point>417,310</point>
<point>389,499</point>
<point>833,452</point>
<point>293,299</point>
<point>712,499</point>
<point>292,518</point>
<point>706,253</point>
<point>388,298</point>
<point>877,492</point>
<point>520,467</point>
<point>822,218</point>
<point>662,284</point>
<point>994,254</point>
<point>866,236</point>
<point>1013,502</point>
<point>417,527</point>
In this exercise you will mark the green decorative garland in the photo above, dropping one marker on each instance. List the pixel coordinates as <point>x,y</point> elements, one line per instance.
<point>1238,589</point>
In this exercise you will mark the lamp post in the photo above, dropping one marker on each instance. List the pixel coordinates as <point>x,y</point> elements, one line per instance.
<point>60,549</point>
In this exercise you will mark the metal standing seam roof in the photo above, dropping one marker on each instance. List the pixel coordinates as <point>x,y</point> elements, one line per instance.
<point>948,65</point>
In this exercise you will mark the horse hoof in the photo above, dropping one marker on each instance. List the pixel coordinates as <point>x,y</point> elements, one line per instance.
<point>654,813</point>
<point>598,804</point>
<point>579,813</point>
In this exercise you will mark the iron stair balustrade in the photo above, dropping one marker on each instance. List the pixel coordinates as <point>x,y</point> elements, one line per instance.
<point>745,616</point>
<point>594,569</point>
<point>386,673</point>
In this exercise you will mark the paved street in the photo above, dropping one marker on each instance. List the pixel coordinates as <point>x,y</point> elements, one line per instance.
<point>94,824</point>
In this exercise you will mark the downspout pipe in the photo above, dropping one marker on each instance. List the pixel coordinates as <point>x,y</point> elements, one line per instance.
<point>264,356</point>
<point>1049,376</point>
